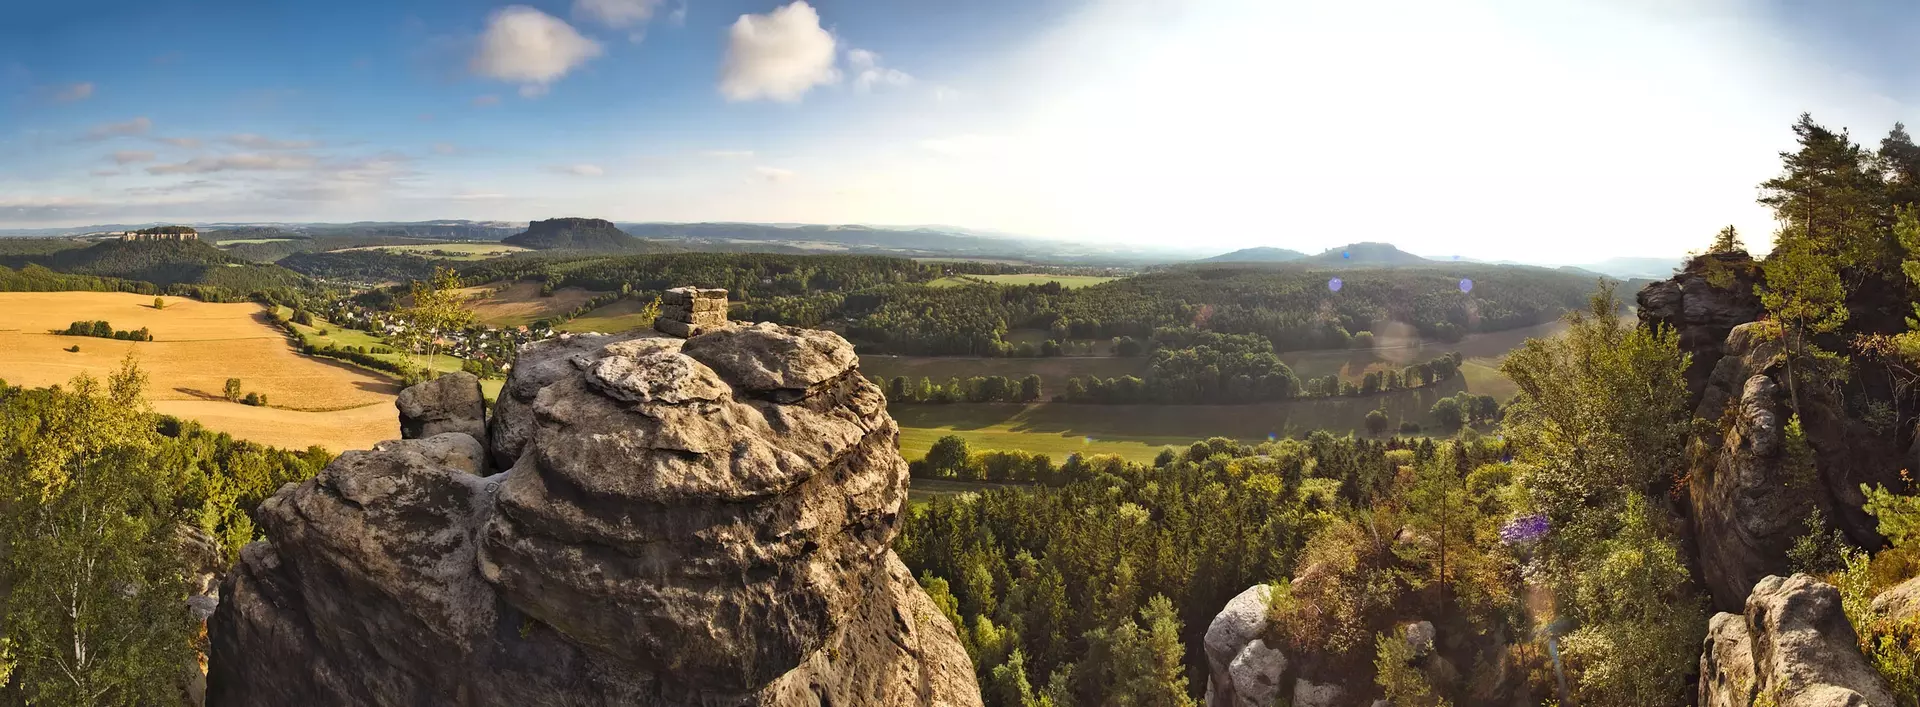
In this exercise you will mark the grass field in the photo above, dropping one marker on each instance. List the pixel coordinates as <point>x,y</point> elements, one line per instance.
<point>465,251</point>
<point>1054,372</point>
<point>344,337</point>
<point>1064,280</point>
<point>196,347</point>
<point>520,303</point>
<point>622,315</point>
<point>1138,432</point>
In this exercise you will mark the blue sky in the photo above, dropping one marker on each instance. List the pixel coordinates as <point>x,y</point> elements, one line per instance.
<point>1571,130</point>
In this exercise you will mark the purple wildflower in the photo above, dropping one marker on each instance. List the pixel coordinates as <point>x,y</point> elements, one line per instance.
<point>1524,529</point>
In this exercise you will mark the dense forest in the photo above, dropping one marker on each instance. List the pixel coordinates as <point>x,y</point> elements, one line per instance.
<point>176,267</point>
<point>360,265</point>
<point>99,501</point>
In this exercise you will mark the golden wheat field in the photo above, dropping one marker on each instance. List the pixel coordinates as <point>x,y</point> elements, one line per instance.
<point>197,346</point>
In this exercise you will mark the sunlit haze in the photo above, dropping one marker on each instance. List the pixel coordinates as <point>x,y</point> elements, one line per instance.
<point>1564,131</point>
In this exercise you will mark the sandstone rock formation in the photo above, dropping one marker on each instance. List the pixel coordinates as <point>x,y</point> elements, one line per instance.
<point>1243,671</point>
<point>1704,303</point>
<point>1792,648</point>
<point>1746,504</point>
<point>691,311</point>
<point>705,522</point>
<point>450,403</point>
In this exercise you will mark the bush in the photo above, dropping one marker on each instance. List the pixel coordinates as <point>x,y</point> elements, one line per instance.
<point>1410,427</point>
<point>73,349</point>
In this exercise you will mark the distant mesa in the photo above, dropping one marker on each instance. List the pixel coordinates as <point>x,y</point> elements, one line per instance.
<point>589,234</point>
<point>1257,255</point>
<point>161,233</point>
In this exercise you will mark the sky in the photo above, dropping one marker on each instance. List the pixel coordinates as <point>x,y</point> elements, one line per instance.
<point>1565,131</point>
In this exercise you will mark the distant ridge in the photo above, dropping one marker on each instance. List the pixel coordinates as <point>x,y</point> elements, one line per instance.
<point>589,234</point>
<point>1261,254</point>
<point>1365,254</point>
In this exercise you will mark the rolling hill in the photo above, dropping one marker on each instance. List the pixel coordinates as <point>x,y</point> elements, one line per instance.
<point>1365,255</point>
<point>1261,254</point>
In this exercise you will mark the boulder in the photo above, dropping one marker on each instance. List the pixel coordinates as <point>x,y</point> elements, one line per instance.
<point>1237,625</point>
<point>449,403</point>
<point>1255,674</point>
<point>1419,635</point>
<point>671,529</point>
<point>1792,648</point>
<point>1900,603</point>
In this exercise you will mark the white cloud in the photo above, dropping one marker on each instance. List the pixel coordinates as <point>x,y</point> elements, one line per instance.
<point>730,154</point>
<point>774,174</point>
<point>529,47</point>
<point>132,156</point>
<point>243,162</point>
<point>615,13</point>
<point>137,126</point>
<point>780,55</point>
<point>187,142</point>
<point>486,100</point>
<point>580,170</point>
<point>74,92</point>
<point>868,73</point>
<point>260,142</point>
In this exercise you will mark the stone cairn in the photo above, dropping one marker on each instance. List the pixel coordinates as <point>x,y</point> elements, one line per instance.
<point>687,312</point>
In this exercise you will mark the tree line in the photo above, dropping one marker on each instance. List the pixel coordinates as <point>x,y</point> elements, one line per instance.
<point>104,330</point>
<point>977,389</point>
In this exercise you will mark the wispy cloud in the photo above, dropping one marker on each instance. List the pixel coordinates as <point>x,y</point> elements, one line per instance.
<point>617,14</point>
<point>966,145</point>
<point>186,142</point>
<point>483,101</point>
<point>445,148</point>
<point>774,174</point>
<point>531,48</point>
<point>243,162</point>
<point>261,142</point>
<point>777,56</point>
<point>868,72</point>
<point>74,92</point>
<point>730,154</point>
<point>137,126</point>
<point>132,156</point>
<point>580,170</point>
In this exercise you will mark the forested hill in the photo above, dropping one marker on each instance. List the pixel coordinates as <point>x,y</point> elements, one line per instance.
<point>1365,255</point>
<point>1257,255</point>
<point>163,263</point>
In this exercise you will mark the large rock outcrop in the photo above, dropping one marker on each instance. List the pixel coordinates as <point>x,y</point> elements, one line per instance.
<point>450,403</point>
<point>1703,303</point>
<point>1793,647</point>
<point>1243,670</point>
<point>698,522</point>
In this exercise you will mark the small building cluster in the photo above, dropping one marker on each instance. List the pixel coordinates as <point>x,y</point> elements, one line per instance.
<point>162,233</point>
<point>691,311</point>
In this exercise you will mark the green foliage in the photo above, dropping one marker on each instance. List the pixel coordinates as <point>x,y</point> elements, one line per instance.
<point>1899,515</point>
<point>1891,647</point>
<point>232,390</point>
<point>1820,551</point>
<point>104,330</point>
<point>1641,627</point>
<point>1400,683</point>
<point>1727,241</point>
<point>438,310</point>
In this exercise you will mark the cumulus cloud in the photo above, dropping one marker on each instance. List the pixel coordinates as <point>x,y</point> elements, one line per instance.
<point>261,142</point>
<point>132,156</point>
<point>74,92</point>
<point>580,170</point>
<point>243,162</point>
<point>773,174</point>
<point>529,47</point>
<point>137,126</point>
<point>868,73</point>
<point>187,142</point>
<point>730,154</point>
<point>486,100</point>
<point>779,56</point>
<point>616,14</point>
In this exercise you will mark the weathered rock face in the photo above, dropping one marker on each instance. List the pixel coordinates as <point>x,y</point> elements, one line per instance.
<point>450,403</point>
<point>1704,303</point>
<point>1792,648</point>
<point>1242,668</point>
<point>683,522</point>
